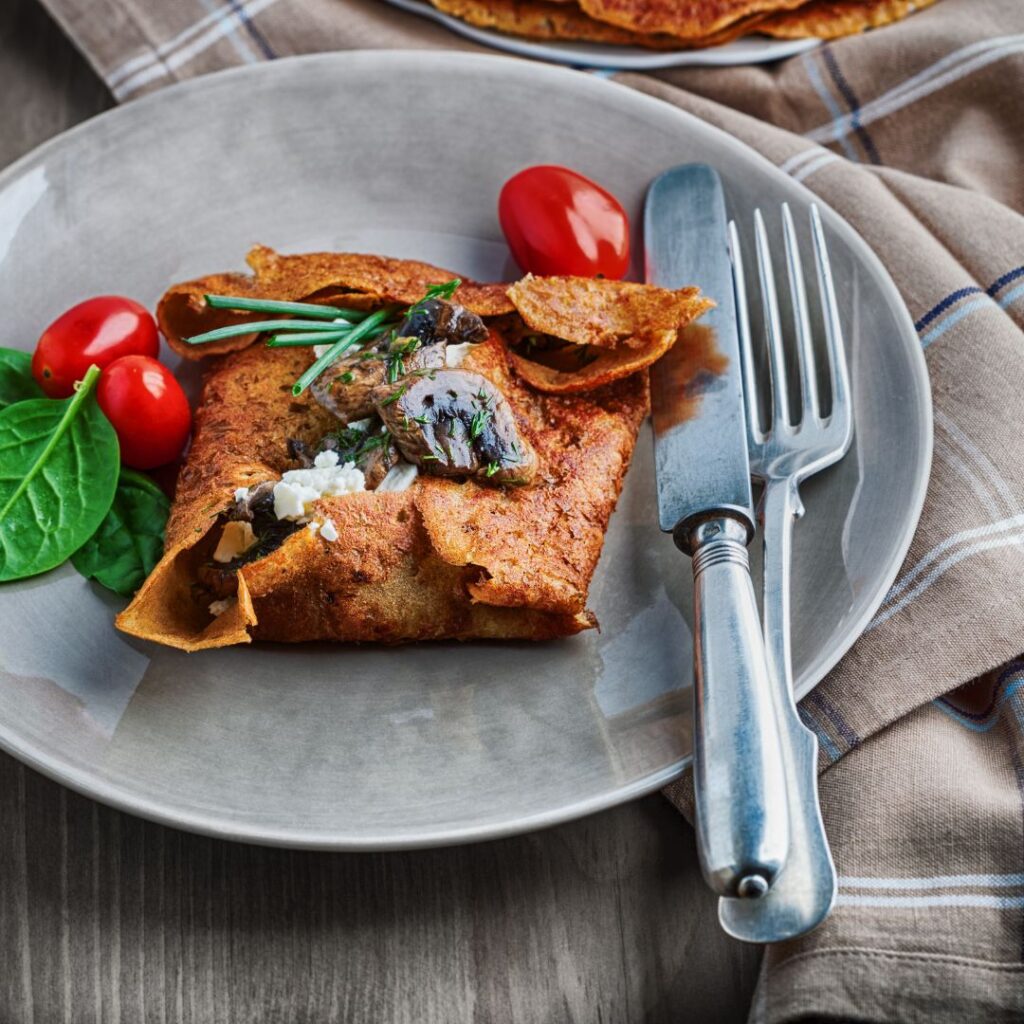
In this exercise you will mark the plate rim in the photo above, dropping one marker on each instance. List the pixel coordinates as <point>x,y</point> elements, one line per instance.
<point>214,826</point>
<point>626,58</point>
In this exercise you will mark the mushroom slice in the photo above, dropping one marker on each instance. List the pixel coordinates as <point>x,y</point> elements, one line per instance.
<point>345,388</point>
<point>457,423</point>
<point>376,461</point>
<point>435,321</point>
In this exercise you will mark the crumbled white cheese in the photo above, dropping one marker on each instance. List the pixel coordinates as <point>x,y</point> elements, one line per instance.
<point>219,607</point>
<point>299,488</point>
<point>455,355</point>
<point>325,460</point>
<point>328,530</point>
<point>290,502</point>
<point>241,493</point>
<point>236,539</point>
<point>399,477</point>
<point>313,527</point>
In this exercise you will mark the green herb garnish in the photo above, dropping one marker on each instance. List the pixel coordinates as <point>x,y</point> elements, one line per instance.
<point>395,395</point>
<point>354,443</point>
<point>492,468</point>
<point>395,369</point>
<point>477,424</point>
<point>435,291</point>
<point>373,323</point>
<point>307,309</point>
<point>304,338</point>
<point>259,326</point>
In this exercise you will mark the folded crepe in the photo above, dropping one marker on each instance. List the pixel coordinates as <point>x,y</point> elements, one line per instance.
<point>444,558</point>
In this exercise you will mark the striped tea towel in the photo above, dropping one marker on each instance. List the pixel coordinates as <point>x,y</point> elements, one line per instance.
<point>914,133</point>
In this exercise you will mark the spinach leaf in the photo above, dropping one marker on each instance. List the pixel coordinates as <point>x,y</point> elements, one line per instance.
<point>58,471</point>
<point>130,540</point>
<point>16,380</point>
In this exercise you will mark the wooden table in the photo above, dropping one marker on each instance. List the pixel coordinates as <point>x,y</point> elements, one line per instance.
<point>105,917</point>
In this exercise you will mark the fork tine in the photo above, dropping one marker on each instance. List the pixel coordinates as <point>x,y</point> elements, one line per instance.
<point>841,417</point>
<point>802,320</point>
<point>772,324</point>
<point>754,435</point>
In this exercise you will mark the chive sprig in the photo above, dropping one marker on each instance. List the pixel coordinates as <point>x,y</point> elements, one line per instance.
<point>311,310</point>
<point>310,323</point>
<point>375,321</point>
<point>304,338</point>
<point>259,326</point>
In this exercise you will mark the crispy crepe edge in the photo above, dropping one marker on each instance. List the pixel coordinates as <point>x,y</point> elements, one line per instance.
<point>358,279</point>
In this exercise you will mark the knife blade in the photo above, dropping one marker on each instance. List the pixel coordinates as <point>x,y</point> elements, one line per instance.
<point>687,244</point>
<point>705,501</point>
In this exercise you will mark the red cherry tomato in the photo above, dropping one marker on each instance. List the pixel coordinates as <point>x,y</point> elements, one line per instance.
<point>98,331</point>
<point>558,222</point>
<point>148,409</point>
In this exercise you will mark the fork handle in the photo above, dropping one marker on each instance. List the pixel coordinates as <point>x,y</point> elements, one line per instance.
<point>739,777</point>
<point>805,890</point>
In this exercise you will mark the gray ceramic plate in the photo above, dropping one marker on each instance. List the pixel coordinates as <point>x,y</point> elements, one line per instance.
<point>748,50</point>
<point>324,746</point>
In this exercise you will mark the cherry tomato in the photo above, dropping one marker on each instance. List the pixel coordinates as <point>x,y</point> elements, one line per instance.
<point>98,331</point>
<point>148,409</point>
<point>558,222</point>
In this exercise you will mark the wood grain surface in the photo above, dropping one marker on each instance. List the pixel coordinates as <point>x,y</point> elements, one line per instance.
<point>105,917</point>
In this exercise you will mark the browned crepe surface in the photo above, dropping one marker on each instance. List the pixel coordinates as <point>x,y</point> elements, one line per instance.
<point>441,560</point>
<point>678,24</point>
<point>688,19</point>
<point>617,328</point>
<point>332,278</point>
<point>563,19</point>
<point>830,19</point>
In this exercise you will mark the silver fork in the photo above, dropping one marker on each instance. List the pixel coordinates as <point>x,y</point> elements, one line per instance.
<point>783,457</point>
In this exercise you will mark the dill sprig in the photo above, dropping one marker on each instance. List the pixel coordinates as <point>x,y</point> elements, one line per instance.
<point>395,395</point>
<point>479,421</point>
<point>435,291</point>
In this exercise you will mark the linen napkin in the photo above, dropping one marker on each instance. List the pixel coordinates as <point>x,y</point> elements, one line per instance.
<point>915,134</point>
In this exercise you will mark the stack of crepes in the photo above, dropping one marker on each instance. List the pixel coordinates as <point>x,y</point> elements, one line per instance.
<point>678,24</point>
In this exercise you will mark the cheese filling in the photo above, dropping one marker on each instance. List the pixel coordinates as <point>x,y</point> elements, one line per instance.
<point>235,540</point>
<point>455,355</point>
<point>399,477</point>
<point>298,489</point>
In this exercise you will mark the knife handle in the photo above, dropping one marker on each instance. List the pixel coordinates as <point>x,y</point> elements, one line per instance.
<point>739,775</point>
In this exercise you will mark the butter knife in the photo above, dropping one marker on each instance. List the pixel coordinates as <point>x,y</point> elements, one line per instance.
<point>705,502</point>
